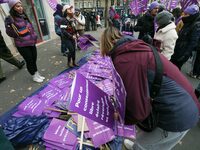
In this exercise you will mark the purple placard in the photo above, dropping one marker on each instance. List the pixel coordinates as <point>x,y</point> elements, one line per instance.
<point>99,133</point>
<point>50,94</point>
<point>90,37</point>
<point>90,101</point>
<point>138,6</point>
<point>57,133</point>
<point>32,106</point>
<point>186,3</point>
<point>120,93</point>
<point>126,131</point>
<point>62,81</point>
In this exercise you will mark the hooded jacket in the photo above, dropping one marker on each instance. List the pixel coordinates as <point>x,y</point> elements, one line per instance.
<point>177,106</point>
<point>167,36</point>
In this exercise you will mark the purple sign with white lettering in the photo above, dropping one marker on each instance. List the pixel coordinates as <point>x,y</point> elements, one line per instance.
<point>97,131</point>
<point>90,101</point>
<point>120,93</point>
<point>57,133</point>
<point>32,106</point>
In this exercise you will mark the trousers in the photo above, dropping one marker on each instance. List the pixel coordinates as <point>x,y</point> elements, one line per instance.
<point>29,53</point>
<point>158,139</point>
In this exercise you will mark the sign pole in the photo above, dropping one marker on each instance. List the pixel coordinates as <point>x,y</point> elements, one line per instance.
<point>82,132</point>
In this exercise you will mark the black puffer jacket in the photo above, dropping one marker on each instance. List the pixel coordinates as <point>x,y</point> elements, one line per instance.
<point>188,38</point>
<point>145,25</point>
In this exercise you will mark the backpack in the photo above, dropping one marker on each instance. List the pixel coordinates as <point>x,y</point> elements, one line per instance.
<point>151,122</point>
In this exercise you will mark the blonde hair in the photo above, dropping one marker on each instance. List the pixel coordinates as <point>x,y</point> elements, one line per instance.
<point>108,38</point>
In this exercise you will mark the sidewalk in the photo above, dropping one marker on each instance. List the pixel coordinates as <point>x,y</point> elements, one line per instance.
<point>18,84</point>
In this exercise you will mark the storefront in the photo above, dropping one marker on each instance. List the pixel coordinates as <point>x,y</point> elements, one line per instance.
<point>35,12</point>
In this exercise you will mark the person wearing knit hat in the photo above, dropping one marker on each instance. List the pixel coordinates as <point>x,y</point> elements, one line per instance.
<point>166,33</point>
<point>188,40</point>
<point>153,5</point>
<point>163,18</point>
<point>192,10</point>
<point>19,27</point>
<point>145,25</point>
<point>12,3</point>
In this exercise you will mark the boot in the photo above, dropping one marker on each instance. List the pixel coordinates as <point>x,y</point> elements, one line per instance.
<point>36,78</point>
<point>22,63</point>
<point>69,64</point>
<point>74,64</point>
<point>2,79</point>
<point>39,75</point>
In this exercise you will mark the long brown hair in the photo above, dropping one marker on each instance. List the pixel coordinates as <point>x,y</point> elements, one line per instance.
<point>108,39</point>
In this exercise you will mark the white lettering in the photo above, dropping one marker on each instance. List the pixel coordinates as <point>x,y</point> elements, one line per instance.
<point>86,96</point>
<point>91,109</point>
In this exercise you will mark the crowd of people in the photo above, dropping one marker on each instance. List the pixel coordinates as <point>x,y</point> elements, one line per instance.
<point>176,38</point>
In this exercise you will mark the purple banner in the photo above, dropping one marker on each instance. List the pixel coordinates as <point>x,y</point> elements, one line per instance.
<point>3,1</point>
<point>186,3</point>
<point>52,4</point>
<point>138,6</point>
<point>90,101</point>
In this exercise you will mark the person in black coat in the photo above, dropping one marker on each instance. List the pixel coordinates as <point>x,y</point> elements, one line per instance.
<point>188,36</point>
<point>145,24</point>
<point>6,55</point>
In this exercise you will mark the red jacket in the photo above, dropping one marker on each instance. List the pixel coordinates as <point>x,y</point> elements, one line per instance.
<point>135,63</point>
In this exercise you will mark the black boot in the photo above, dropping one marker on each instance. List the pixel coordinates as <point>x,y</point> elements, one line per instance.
<point>197,93</point>
<point>2,79</point>
<point>22,63</point>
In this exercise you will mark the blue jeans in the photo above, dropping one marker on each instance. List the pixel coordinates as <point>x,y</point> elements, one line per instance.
<point>158,139</point>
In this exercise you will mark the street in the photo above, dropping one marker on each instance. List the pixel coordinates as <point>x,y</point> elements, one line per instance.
<point>18,84</point>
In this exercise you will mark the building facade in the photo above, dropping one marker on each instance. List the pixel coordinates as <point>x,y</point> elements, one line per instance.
<point>40,12</point>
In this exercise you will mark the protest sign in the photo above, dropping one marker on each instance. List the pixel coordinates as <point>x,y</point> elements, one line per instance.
<point>58,135</point>
<point>99,134</point>
<point>31,106</point>
<point>90,101</point>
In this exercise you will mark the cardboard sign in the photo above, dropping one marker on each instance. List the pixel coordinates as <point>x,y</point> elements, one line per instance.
<point>99,133</point>
<point>90,101</point>
<point>58,134</point>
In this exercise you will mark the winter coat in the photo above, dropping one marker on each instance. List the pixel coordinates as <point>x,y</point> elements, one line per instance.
<point>145,25</point>
<point>57,22</point>
<point>176,103</point>
<point>80,22</point>
<point>167,36</point>
<point>188,38</point>
<point>28,39</point>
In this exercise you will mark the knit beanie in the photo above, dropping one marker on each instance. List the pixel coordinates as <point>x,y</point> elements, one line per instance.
<point>163,18</point>
<point>153,5</point>
<point>12,3</point>
<point>192,9</point>
<point>59,7</point>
